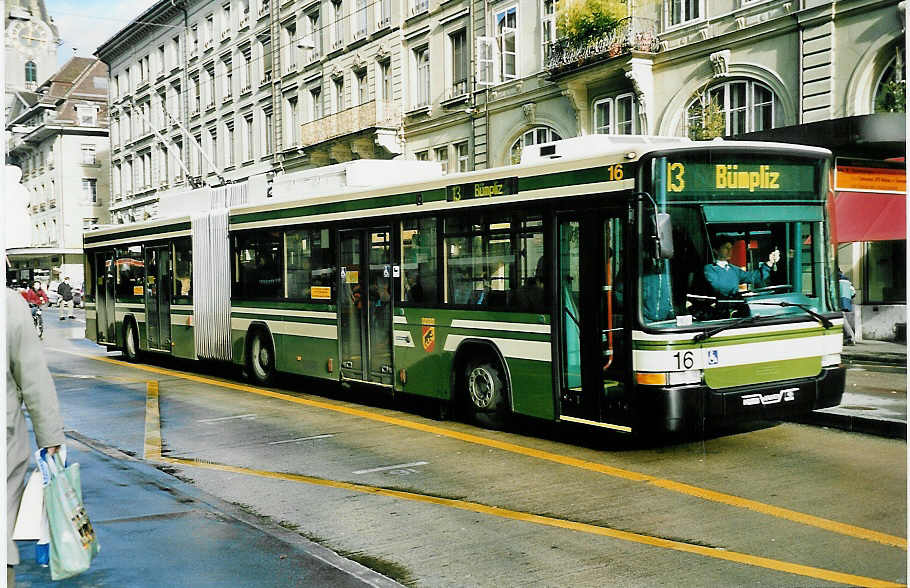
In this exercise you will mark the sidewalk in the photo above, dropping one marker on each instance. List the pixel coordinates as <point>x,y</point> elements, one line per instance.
<point>875,412</point>
<point>155,530</point>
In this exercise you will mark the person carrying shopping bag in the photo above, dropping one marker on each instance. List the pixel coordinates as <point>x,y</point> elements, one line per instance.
<point>28,381</point>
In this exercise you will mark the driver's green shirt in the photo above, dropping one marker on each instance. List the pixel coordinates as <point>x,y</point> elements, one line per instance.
<point>725,280</point>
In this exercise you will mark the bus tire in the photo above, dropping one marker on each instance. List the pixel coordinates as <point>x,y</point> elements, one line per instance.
<point>260,360</point>
<point>130,341</point>
<point>486,393</point>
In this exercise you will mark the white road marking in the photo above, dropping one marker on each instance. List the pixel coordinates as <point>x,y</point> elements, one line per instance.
<point>400,466</point>
<point>302,439</point>
<point>228,418</point>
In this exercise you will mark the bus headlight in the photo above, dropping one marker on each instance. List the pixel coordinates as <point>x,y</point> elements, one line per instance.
<point>830,359</point>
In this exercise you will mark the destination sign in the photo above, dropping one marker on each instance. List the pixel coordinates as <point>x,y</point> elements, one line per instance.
<point>769,179</point>
<point>484,189</point>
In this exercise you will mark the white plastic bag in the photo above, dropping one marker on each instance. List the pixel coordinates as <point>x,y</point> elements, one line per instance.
<point>31,510</point>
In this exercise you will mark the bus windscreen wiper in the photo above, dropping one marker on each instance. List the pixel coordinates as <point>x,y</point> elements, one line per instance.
<point>823,320</point>
<point>707,334</point>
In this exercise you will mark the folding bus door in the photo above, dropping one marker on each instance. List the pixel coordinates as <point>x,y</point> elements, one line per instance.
<point>105,285</point>
<point>365,305</point>
<point>157,297</point>
<point>593,368</point>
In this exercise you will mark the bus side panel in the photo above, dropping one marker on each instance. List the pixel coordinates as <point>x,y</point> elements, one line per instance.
<point>427,372</point>
<point>183,342</point>
<point>238,346</point>
<point>532,388</point>
<point>308,356</point>
<point>91,322</point>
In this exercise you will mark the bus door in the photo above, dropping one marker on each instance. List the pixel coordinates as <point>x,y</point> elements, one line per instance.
<point>157,297</point>
<point>365,305</point>
<point>593,365</point>
<point>105,286</point>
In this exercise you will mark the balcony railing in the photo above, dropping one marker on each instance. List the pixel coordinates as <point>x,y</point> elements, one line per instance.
<point>374,114</point>
<point>629,34</point>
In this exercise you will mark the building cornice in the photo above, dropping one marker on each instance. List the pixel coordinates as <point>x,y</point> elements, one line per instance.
<point>159,13</point>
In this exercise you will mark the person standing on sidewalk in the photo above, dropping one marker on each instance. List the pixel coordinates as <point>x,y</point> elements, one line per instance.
<point>66,298</point>
<point>27,380</point>
<point>847,292</point>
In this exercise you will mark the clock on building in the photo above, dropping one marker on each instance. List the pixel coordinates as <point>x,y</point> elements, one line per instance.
<point>29,35</point>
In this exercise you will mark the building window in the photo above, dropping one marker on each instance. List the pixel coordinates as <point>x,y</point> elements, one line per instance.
<point>422,77</point>
<point>229,144</point>
<point>460,62</point>
<point>535,136</point>
<point>385,13</point>
<point>213,148</point>
<point>88,223</point>
<point>248,137</point>
<point>268,131</point>
<point>197,139</point>
<point>246,80</point>
<point>547,26</point>
<point>385,74</point>
<point>289,38</point>
<point>890,91</point>
<point>228,79</point>
<point>507,41</point>
<point>731,108</point>
<point>363,88</point>
<point>360,19</point>
<point>461,152</point>
<point>90,190</point>
<point>225,20</point>
<point>293,122</point>
<point>339,94</point>
<point>88,155</point>
<point>886,272</point>
<point>616,116</point>
<point>338,29</point>
<point>441,154</point>
<point>266,49</point>
<point>314,30</point>
<point>315,104</point>
<point>31,72</point>
<point>682,11</point>
<point>422,156</point>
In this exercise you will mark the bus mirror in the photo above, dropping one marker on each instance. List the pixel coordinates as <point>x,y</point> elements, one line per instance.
<point>664,235</point>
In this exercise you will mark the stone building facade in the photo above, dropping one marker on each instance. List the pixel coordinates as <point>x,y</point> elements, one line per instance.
<point>58,138</point>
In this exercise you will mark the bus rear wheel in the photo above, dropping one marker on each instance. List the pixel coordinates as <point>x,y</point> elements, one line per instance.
<point>131,341</point>
<point>485,393</point>
<point>261,359</point>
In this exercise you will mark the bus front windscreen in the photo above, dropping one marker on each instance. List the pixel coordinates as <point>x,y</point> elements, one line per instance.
<point>749,240</point>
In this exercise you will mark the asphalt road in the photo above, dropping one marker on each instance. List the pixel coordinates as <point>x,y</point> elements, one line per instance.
<point>434,503</point>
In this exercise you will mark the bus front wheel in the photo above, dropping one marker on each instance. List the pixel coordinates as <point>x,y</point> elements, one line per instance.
<point>131,341</point>
<point>485,391</point>
<point>261,359</point>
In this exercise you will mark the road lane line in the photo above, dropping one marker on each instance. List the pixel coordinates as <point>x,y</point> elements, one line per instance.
<point>228,418</point>
<point>722,554</point>
<point>152,422</point>
<point>326,436</point>
<point>400,466</point>
<point>686,489</point>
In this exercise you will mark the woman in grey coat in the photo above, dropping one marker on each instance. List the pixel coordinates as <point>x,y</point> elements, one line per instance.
<point>27,380</point>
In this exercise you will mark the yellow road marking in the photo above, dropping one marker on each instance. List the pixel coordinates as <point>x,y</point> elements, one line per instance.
<point>731,556</point>
<point>152,422</point>
<point>680,487</point>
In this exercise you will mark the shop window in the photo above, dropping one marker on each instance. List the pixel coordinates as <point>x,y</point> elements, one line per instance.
<point>886,273</point>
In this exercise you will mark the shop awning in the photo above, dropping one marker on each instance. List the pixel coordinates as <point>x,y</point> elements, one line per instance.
<point>869,216</point>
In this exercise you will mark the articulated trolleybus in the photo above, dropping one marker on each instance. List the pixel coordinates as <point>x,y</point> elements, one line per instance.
<point>578,285</point>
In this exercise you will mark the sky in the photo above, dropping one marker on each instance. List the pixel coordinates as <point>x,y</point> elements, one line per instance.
<point>85,24</point>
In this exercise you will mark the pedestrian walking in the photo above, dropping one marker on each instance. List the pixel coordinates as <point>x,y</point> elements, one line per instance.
<point>27,381</point>
<point>66,298</point>
<point>847,293</point>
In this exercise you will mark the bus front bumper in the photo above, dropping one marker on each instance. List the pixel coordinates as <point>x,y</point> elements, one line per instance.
<point>677,409</point>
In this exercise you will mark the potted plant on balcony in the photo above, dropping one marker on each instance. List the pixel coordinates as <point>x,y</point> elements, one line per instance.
<point>583,22</point>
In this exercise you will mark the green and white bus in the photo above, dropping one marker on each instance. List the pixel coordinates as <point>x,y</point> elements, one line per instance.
<point>573,286</point>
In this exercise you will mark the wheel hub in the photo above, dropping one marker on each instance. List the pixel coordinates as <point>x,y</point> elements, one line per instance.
<point>480,386</point>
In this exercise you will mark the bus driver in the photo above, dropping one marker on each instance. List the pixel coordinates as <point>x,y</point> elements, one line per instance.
<point>725,278</point>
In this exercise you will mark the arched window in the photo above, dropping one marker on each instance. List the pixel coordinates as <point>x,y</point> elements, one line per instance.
<point>731,108</point>
<point>31,71</point>
<point>534,136</point>
<point>890,91</point>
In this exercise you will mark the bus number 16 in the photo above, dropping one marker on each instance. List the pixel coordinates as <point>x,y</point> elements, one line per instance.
<point>684,361</point>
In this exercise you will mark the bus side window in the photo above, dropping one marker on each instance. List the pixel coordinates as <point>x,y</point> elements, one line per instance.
<point>418,261</point>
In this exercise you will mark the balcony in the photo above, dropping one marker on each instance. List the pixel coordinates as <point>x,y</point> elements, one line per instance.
<point>376,114</point>
<point>630,35</point>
